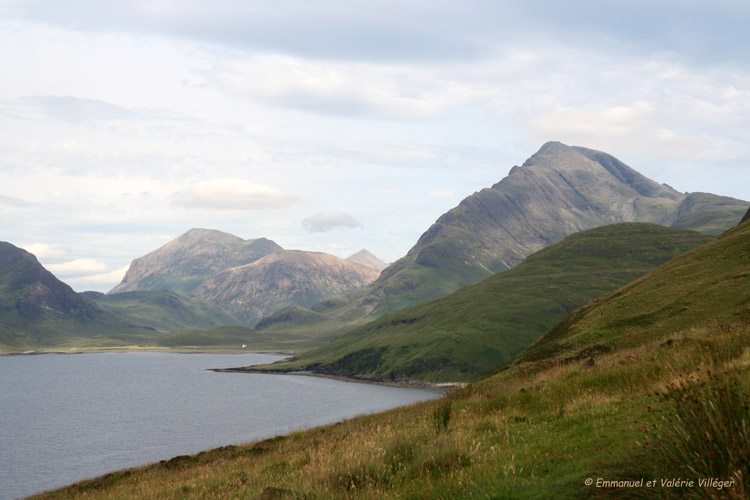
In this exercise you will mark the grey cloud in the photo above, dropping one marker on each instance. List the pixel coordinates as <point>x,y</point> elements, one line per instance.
<point>422,30</point>
<point>11,201</point>
<point>323,222</point>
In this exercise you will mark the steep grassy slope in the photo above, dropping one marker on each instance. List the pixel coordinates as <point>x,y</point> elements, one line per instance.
<point>478,327</point>
<point>707,285</point>
<point>658,406</point>
<point>162,310</point>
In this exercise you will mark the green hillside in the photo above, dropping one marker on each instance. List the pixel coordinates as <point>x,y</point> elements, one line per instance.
<point>473,330</point>
<point>162,310</point>
<point>595,418</point>
<point>707,285</point>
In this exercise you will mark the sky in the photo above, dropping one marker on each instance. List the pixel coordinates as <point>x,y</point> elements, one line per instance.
<point>338,125</point>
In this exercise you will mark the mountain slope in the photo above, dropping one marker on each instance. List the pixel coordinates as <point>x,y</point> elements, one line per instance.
<point>38,309</point>
<point>560,190</point>
<point>188,260</point>
<point>289,277</point>
<point>478,327</point>
<point>708,285</point>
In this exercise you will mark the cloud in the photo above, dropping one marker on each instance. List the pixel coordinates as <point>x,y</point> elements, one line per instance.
<point>443,193</point>
<point>77,268</point>
<point>100,281</point>
<point>77,110</point>
<point>323,222</point>
<point>231,194</point>
<point>361,90</point>
<point>327,29</point>
<point>11,201</point>
<point>45,250</point>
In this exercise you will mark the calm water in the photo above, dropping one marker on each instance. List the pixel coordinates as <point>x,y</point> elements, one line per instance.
<point>64,418</point>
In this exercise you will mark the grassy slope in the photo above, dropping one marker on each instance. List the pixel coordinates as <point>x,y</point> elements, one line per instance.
<point>475,329</point>
<point>163,310</point>
<point>535,430</point>
<point>708,284</point>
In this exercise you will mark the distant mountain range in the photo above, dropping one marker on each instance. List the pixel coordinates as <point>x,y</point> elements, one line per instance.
<point>558,191</point>
<point>38,310</point>
<point>248,278</point>
<point>187,261</point>
<point>308,296</point>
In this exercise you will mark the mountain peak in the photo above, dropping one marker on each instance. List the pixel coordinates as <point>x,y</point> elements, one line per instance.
<point>367,259</point>
<point>188,260</point>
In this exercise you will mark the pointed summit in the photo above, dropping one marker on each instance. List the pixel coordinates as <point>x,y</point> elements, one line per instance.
<point>367,259</point>
<point>560,190</point>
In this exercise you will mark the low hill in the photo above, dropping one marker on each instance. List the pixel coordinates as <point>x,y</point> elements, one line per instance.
<point>289,277</point>
<point>163,310</point>
<point>188,260</point>
<point>473,330</point>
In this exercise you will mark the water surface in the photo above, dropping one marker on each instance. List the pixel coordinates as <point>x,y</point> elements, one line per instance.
<point>64,418</point>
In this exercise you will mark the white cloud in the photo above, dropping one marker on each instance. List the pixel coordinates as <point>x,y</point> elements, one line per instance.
<point>45,250</point>
<point>77,268</point>
<point>443,193</point>
<point>231,194</point>
<point>101,281</point>
<point>343,89</point>
<point>325,221</point>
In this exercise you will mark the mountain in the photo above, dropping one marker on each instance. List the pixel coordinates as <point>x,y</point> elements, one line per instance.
<point>558,191</point>
<point>473,330</point>
<point>188,260</point>
<point>162,310</point>
<point>280,279</point>
<point>38,309</point>
<point>365,258</point>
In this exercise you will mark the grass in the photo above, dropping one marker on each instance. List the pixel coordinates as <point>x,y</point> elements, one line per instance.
<point>475,329</point>
<point>163,310</point>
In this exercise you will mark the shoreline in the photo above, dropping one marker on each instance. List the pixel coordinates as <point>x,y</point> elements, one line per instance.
<point>177,350</point>
<point>405,383</point>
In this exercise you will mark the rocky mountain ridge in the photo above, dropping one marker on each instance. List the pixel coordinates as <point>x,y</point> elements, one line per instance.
<point>558,191</point>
